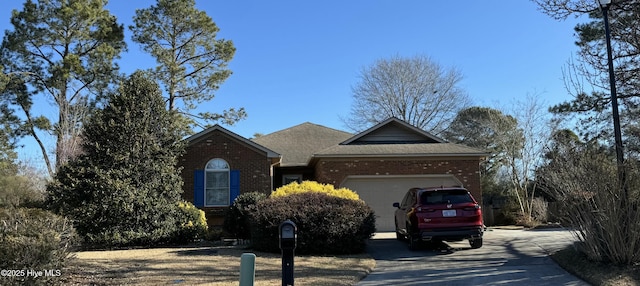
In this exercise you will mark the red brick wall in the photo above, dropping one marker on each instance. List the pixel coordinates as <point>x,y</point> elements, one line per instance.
<point>334,171</point>
<point>253,164</point>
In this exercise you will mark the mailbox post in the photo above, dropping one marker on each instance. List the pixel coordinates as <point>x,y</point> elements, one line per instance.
<point>288,240</point>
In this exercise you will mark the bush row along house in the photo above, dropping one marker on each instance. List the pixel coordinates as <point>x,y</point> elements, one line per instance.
<point>380,164</point>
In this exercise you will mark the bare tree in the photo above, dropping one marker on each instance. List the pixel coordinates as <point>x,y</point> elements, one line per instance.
<point>561,10</point>
<point>525,157</point>
<point>416,90</point>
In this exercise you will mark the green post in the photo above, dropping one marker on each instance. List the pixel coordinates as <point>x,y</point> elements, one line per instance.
<point>247,269</point>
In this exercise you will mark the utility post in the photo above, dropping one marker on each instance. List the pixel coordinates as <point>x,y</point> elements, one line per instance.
<point>247,269</point>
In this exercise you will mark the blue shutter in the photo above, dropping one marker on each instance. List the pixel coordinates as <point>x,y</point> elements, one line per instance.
<point>234,185</point>
<point>198,188</point>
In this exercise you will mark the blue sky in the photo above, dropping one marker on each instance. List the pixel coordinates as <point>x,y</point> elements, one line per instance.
<point>296,61</point>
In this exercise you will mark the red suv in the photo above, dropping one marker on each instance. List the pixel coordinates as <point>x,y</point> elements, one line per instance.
<point>437,214</point>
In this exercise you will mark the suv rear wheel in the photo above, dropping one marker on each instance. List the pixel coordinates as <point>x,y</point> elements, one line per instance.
<point>414,242</point>
<point>475,243</point>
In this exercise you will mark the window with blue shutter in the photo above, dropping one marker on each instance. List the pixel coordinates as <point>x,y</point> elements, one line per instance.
<point>215,186</point>
<point>198,188</point>
<point>234,185</point>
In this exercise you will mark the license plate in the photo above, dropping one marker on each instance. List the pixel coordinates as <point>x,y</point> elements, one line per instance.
<point>448,213</point>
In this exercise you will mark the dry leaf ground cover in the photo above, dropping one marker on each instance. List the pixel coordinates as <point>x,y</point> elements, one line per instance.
<point>208,265</point>
<point>597,273</point>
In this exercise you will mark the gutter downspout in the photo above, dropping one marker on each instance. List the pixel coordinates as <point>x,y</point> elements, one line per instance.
<point>271,172</point>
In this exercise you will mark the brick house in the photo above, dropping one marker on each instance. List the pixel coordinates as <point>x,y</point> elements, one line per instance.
<point>380,164</point>
<point>218,165</point>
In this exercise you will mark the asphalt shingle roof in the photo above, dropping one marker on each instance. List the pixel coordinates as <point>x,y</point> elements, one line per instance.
<point>430,149</point>
<point>298,143</point>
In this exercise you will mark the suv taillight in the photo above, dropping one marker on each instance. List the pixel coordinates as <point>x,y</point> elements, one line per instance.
<point>473,208</point>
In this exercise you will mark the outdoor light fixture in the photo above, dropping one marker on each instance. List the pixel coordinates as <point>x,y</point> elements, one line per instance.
<point>604,3</point>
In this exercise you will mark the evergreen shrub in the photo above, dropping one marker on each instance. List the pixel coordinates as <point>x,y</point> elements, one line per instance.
<point>124,188</point>
<point>326,224</point>
<point>110,210</point>
<point>237,221</point>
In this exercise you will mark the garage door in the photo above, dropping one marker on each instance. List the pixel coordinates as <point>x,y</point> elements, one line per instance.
<point>380,192</point>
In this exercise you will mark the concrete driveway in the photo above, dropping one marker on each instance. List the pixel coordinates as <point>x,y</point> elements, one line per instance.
<point>508,257</point>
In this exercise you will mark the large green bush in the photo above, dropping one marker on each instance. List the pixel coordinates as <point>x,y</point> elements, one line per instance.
<point>34,239</point>
<point>237,221</point>
<point>111,210</point>
<point>124,188</point>
<point>326,224</point>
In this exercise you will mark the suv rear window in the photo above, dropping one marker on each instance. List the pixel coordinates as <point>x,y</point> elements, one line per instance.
<point>445,197</point>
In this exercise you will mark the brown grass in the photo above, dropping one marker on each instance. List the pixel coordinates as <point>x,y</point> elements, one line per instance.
<point>209,265</point>
<point>219,265</point>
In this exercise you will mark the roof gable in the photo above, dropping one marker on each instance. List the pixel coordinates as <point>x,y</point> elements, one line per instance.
<point>203,134</point>
<point>298,143</point>
<point>396,138</point>
<point>393,131</point>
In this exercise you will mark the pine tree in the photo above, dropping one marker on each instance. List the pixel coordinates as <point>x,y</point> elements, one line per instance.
<point>61,52</point>
<point>192,59</point>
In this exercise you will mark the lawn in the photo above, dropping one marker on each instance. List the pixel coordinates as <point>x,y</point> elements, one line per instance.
<point>207,265</point>
<point>220,265</point>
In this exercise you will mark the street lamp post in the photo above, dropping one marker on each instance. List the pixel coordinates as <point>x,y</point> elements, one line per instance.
<point>604,5</point>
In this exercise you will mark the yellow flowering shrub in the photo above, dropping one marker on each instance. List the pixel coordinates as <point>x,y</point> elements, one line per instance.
<point>313,186</point>
<point>194,222</point>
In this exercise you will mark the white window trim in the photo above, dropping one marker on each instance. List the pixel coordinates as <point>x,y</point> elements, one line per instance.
<point>297,177</point>
<point>207,171</point>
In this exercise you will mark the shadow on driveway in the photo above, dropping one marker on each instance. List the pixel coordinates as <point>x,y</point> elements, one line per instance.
<point>511,257</point>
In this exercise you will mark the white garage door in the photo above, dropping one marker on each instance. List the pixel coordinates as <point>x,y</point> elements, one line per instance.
<point>380,192</point>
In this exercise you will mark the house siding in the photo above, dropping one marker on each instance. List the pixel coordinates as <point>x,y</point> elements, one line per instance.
<point>253,165</point>
<point>335,171</point>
